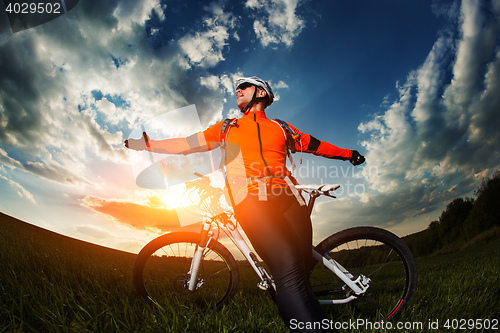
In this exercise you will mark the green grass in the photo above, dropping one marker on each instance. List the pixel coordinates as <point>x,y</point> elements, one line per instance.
<point>51,283</point>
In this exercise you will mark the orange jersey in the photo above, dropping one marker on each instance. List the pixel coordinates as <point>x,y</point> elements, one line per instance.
<point>256,147</point>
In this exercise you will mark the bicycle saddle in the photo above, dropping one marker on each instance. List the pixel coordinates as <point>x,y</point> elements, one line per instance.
<point>320,188</point>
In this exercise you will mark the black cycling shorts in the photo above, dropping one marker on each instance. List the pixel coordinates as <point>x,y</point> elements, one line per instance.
<point>281,233</point>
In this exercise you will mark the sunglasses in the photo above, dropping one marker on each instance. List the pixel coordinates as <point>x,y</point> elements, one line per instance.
<point>243,86</point>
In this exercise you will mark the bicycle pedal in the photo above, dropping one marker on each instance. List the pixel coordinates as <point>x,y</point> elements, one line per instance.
<point>263,285</point>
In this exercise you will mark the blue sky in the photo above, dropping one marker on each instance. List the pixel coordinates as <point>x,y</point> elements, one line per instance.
<point>410,84</point>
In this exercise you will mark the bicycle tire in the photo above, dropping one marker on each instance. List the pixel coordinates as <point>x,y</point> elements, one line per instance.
<point>377,254</point>
<point>161,272</point>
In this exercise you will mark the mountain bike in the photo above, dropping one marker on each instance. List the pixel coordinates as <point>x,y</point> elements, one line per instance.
<point>369,270</point>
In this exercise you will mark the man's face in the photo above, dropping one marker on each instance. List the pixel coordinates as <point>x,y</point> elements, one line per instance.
<point>244,94</point>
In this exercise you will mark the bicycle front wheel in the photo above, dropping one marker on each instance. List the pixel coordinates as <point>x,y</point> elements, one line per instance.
<point>161,272</point>
<point>380,256</point>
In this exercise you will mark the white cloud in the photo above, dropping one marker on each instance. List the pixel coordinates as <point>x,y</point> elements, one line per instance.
<point>94,231</point>
<point>212,82</point>
<point>20,190</point>
<point>223,83</point>
<point>280,85</point>
<point>130,12</point>
<point>8,161</point>
<point>205,49</point>
<point>205,46</point>
<point>276,21</point>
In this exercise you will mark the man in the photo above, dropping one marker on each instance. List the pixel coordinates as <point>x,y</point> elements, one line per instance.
<point>266,204</point>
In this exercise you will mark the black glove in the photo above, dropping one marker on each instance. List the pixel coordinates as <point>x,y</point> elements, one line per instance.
<point>356,158</point>
<point>138,144</point>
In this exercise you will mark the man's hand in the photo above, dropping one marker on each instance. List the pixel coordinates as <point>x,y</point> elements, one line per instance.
<point>137,144</point>
<point>356,158</point>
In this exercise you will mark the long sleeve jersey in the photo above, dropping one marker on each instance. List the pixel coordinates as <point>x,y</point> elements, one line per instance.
<point>255,147</point>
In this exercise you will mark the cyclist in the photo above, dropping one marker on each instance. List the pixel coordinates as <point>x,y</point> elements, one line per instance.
<point>267,206</point>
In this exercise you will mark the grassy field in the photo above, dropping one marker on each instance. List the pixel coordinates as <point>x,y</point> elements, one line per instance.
<point>51,283</point>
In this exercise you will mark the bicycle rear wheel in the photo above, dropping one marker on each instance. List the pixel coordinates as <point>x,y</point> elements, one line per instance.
<point>161,272</point>
<point>377,254</point>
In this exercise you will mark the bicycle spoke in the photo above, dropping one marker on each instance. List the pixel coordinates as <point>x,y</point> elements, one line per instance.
<point>161,272</point>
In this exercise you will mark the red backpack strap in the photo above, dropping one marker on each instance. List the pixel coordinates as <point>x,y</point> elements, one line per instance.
<point>226,125</point>
<point>290,138</point>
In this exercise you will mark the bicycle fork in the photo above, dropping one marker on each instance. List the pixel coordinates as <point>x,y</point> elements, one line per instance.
<point>266,280</point>
<point>198,256</point>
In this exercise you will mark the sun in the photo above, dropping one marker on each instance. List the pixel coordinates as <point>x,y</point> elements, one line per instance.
<point>174,197</point>
<point>171,200</point>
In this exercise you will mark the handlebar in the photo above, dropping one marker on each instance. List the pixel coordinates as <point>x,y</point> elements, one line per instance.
<point>210,195</point>
<point>203,182</point>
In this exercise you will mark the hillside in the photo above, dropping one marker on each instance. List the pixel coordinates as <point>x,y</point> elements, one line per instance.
<point>22,232</point>
<point>465,222</point>
<point>50,282</point>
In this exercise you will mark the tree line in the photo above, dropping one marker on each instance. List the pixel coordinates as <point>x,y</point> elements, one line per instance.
<point>462,221</point>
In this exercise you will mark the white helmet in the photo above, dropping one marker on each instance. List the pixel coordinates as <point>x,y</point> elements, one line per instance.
<point>255,81</point>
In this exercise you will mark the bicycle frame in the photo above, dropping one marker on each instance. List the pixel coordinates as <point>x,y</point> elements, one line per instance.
<point>237,239</point>
<point>359,285</point>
